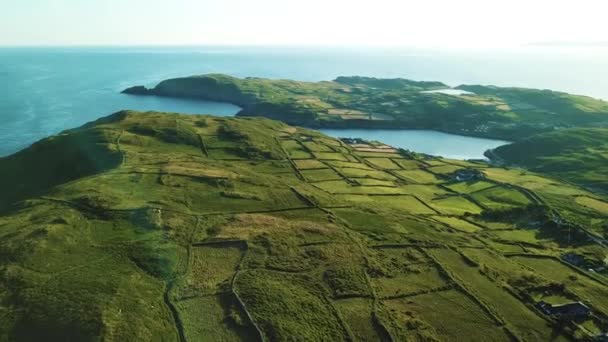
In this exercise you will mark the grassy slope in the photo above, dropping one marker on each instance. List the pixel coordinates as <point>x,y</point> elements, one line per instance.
<point>579,155</point>
<point>505,113</point>
<point>163,226</point>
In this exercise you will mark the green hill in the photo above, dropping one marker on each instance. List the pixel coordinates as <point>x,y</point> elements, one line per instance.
<point>579,155</point>
<point>157,226</point>
<point>365,102</point>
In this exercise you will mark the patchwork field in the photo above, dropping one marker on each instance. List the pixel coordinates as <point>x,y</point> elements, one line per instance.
<point>190,228</point>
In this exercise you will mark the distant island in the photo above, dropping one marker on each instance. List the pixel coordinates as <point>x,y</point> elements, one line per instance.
<point>365,102</point>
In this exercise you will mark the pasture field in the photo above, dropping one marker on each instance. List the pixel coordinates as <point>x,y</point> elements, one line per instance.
<point>455,205</point>
<point>305,164</point>
<point>215,318</point>
<point>383,163</point>
<point>587,289</point>
<point>210,269</point>
<point>458,224</point>
<point>188,228</point>
<point>418,176</point>
<point>517,316</point>
<point>409,164</point>
<point>430,314</point>
<point>320,175</point>
<point>469,187</point>
<point>357,313</point>
<point>593,203</point>
<point>501,198</point>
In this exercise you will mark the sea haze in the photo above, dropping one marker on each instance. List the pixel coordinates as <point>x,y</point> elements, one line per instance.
<point>47,90</point>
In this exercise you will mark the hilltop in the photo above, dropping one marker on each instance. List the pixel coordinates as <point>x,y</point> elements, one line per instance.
<point>158,226</point>
<point>579,155</point>
<point>365,102</point>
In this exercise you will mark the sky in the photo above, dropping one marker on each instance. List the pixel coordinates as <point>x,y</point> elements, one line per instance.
<point>428,23</point>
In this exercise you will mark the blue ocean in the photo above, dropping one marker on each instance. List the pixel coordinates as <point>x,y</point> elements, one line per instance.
<point>47,90</point>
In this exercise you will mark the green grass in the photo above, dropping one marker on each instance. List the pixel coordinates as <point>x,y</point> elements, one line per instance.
<point>520,235</point>
<point>430,316</point>
<point>383,163</point>
<point>445,169</point>
<point>458,224</point>
<point>320,175</point>
<point>113,242</point>
<point>374,174</point>
<point>354,165</point>
<point>405,203</point>
<point>357,313</point>
<point>501,198</point>
<point>408,164</point>
<point>215,318</point>
<point>301,307</point>
<point>211,268</point>
<point>521,319</point>
<point>455,205</point>
<point>594,204</point>
<point>414,279</point>
<point>330,156</point>
<point>587,289</point>
<point>577,154</point>
<point>375,182</point>
<point>366,221</point>
<point>304,164</point>
<point>418,176</point>
<point>468,187</point>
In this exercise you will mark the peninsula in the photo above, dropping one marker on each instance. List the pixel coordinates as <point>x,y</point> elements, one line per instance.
<point>363,102</point>
<point>158,226</point>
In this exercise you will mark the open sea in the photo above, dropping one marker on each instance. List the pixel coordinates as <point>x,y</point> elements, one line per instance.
<point>46,90</point>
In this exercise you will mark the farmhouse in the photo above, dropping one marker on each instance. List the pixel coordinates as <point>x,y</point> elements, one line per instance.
<point>465,175</point>
<point>573,259</point>
<point>565,311</point>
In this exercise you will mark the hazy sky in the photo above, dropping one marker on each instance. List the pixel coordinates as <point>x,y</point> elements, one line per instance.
<point>475,23</point>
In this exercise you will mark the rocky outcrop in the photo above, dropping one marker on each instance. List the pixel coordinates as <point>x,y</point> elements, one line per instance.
<point>220,88</point>
<point>138,90</point>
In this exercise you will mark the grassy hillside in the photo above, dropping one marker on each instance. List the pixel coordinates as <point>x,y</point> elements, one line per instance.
<point>364,102</point>
<point>579,155</point>
<point>156,226</point>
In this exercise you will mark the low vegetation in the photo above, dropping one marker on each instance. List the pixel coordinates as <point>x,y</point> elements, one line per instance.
<point>578,155</point>
<point>157,226</point>
<point>363,102</point>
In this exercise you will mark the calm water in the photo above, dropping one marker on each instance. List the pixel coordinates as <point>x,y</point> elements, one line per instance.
<point>429,142</point>
<point>46,90</point>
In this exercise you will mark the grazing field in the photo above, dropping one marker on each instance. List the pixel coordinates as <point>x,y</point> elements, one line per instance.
<point>409,164</point>
<point>594,204</point>
<point>458,224</point>
<point>305,164</point>
<point>469,187</point>
<point>216,318</point>
<point>519,318</point>
<point>357,313</point>
<point>211,267</point>
<point>281,319</point>
<point>431,316</point>
<point>586,288</point>
<point>416,279</point>
<point>418,176</point>
<point>373,174</point>
<point>383,163</point>
<point>501,198</point>
<point>187,228</point>
<point>455,205</point>
<point>320,175</point>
